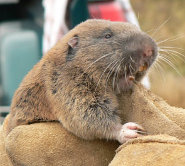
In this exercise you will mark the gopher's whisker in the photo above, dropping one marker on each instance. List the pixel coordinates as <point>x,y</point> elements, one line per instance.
<point>174,51</point>
<point>118,69</point>
<point>132,60</point>
<point>125,69</point>
<point>166,47</point>
<point>114,77</point>
<point>171,39</point>
<point>159,69</point>
<point>130,69</point>
<point>99,59</point>
<point>104,72</point>
<point>151,30</point>
<point>170,64</point>
<point>116,42</point>
<point>110,73</point>
<point>159,27</point>
<point>172,54</point>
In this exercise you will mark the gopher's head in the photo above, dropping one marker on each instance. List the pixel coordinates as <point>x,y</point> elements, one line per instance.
<point>113,52</point>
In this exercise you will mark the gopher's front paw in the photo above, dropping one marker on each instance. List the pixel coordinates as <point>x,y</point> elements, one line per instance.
<point>128,131</point>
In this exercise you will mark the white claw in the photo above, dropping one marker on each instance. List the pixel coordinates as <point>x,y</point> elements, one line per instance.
<point>128,131</point>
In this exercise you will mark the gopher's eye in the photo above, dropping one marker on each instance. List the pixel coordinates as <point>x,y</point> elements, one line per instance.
<point>107,36</point>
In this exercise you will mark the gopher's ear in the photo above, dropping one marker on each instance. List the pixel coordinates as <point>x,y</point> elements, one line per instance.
<point>73,42</point>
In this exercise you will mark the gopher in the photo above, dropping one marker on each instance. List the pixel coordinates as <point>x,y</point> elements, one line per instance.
<point>78,82</point>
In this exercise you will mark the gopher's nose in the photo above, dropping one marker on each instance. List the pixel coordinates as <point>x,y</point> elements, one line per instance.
<point>148,52</point>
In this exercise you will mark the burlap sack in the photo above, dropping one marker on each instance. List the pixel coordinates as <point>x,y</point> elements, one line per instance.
<point>159,150</point>
<point>153,113</point>
<point>4,159</point>
<point>50,144</point>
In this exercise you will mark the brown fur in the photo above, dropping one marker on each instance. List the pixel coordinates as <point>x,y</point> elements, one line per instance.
<point>70,92</point>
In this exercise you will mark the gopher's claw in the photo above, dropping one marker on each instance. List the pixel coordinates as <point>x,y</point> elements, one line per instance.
<point>130,130</point>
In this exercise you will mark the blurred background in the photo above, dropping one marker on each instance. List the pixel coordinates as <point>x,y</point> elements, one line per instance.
<point>167,78</point>
<point>29,28</point>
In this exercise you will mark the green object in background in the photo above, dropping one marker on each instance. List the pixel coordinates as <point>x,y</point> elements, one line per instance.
<point>19,52</point>
<point>78,12</point>
<point>6,28</point>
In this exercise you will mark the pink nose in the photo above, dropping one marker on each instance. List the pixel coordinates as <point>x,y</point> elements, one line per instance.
<point>148,52</point>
